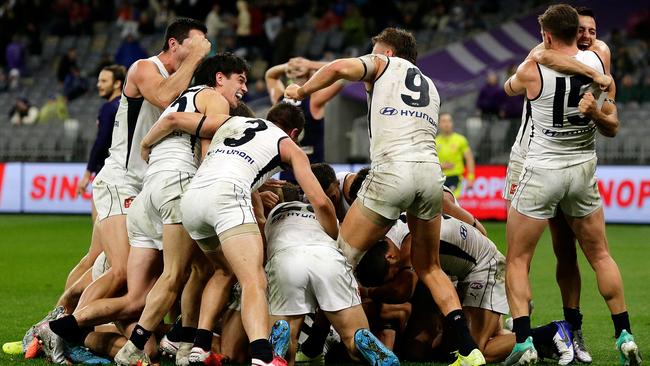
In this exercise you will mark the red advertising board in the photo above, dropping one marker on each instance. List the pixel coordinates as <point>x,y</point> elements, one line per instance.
<point>485,200</point>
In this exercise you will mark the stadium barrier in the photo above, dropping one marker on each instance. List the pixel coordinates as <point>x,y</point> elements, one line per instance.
<point>50,188</point>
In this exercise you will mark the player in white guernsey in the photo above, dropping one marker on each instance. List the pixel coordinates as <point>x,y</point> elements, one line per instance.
<point>559,171</point>
<point>322,278</point>
<point>151,85</point>
<point>405,174</point>
<point>156,214</point>
<point>218,208</point>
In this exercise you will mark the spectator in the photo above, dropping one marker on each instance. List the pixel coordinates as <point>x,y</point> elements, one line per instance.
<point>627,92</point>
<point>4,83</point>
<point>106,60</point>
<point>79,18</point>
<point>644,96</point>
<point>214,24</point>
<point>23,113</point>
<point>74,85</point>
<point>243,23</point>
<point>15,55</point>
<point>272,25</point>
<point>354,26</point>
<point>454,152</point>
<point>491,97</point>
<point>67,63</point>
<point>129,51</point>
<point>55,109</point>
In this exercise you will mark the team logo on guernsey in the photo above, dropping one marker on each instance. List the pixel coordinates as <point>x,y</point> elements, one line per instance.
<point>388,111</point>
<point>127,202</point>
<point>513,188</point>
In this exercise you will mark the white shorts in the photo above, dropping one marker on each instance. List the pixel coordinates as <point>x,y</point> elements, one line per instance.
<point>304,278</point>
<point>158,204</point>
<point>111,200</point>
<point>485,286</point>
<point>211,210</point>
<point>100,266</point>
<point>574,189</point>
<point>515,166</point>
<point>395,187</point>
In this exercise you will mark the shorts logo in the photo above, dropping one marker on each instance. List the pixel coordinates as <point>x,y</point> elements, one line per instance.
<point>513,188</point>
<point>127,202</point>
<point>476,285</point>
<point>388,111</point>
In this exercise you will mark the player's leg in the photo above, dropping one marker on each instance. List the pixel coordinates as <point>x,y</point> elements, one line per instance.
<point>234,343</point>
<point>115,241</point>
<point>295,323</point>
<point>144,267</point>
<point>85,263</point>
<point>426,262</point>
<point>360,230</point>
<point>483,324</point>
<point>71,295</point>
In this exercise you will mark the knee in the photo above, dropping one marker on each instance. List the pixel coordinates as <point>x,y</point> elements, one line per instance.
<point>172,279</point>
<point>255,281</point>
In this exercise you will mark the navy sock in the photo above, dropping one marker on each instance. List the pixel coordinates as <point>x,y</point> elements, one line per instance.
<point>68,329</point>
<point>188,334</point>
<point>621,321</point>
<point>315,343</point>
<point>456,323</point>
<point>140,336</point>
<point>175,334</point>
<point>261,350</point>
<point>521,327</point>
<point>203,339</point>
<point>573,317</point>
<point>543,335</point>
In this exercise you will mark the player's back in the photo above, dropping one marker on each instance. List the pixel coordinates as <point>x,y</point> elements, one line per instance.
<point>561,136</point>
<point>133,119</point>
<point>243,151</point>
<point>293,224</point>
<point>179,151</point>
<point>403,108</point>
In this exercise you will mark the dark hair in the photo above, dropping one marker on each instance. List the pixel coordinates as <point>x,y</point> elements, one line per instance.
<point>401,41</point>
<point>225,63</point>
<point>357,182</point>
<point>585,11</point>
<point>324,173</point>
<point>180,29</point>
<point>561,21</point>
<point>287,116</point>
<point>373,267</point>
<point>290,192</point>
<point>242,110</point>
<point>118,71</point>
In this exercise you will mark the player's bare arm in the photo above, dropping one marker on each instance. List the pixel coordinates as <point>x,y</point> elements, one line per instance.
<point>606,118</point>
<point>292,155</point>
<point>568,65</point>
<point>274,84</point>
<point>525,80</point>
<point>351,69</point>
<point>145,79</point>
<point>185,121</point>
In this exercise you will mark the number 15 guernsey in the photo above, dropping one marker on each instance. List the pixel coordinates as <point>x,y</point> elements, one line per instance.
<point>403,108</point>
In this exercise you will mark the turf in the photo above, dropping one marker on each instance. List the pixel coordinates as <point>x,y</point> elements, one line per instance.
<point>36,253</point>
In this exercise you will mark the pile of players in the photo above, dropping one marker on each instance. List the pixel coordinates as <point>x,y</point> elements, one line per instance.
<point>192,223</point>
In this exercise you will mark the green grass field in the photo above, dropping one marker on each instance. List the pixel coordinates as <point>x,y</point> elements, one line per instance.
<point>36,253</point>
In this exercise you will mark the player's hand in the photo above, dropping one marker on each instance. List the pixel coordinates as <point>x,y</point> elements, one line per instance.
<point>83,183</point>
<point>199,46</point>
<point>588,105</point>
<point>603,81</point>
<point>272,184</point>
<point>294,91</point>
<point>447,165</point>
<point>269,200</point>
<point>145,152</point>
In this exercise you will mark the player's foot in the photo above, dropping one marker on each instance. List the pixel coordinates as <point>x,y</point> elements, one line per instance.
<point>373,350</point>
<point>522,354</point>
<point>280,337</point>
<point>130,355</point>
<point>582,355</point>
<point>563,343</point>
<point>79,354</point>
<point>34,349</point>
<point>183,354</point>
<point>52,343</point>
<point>198,356</point>
<point>13,348</point>
<point>277,361</point>
<point>52,315</point>
<point>475,358</point>
<point>630,355</point>
<point>303,359</point>
<point>168,348</point>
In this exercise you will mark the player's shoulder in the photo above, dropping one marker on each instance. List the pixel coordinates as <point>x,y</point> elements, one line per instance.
<point>600,47</point>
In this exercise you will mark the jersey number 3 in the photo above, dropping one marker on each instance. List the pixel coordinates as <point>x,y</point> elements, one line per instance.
<point>249,133</point>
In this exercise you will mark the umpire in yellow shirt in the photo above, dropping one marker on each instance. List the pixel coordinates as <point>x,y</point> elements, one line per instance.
<point>454,152</point>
